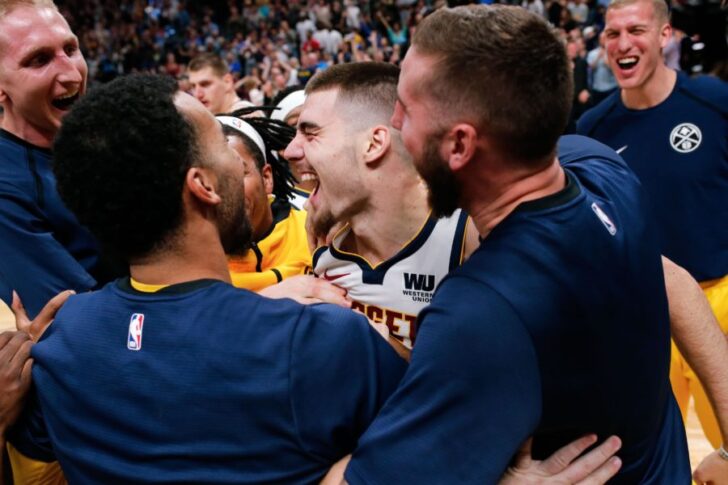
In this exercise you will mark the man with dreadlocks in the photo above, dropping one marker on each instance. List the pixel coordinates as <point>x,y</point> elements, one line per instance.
<point>288,105</point>
<point>280,247</point>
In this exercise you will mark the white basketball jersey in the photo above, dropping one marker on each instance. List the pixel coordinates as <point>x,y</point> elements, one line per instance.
<point>395,290</point>
<point>298,198</point>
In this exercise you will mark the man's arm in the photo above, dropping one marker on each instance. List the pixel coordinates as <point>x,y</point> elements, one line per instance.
<point>34,263</point>
<point>15,366</point>
<point>705,347</point>
<point>566,465</point>
<point>307,290</point>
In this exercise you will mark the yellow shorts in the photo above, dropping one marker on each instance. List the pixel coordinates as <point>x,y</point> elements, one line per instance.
<point>683,379</point>
<point>31,472</point>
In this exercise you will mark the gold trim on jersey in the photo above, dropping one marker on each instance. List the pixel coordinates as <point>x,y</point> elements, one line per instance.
<point>402,248</point>
<point>468,220</point>
<point>145,287</point>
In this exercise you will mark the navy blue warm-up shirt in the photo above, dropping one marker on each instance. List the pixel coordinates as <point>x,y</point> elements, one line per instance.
<point>679,151</point>
<point>43,248</point>
<point>202,383</point>
<point>557,326</point>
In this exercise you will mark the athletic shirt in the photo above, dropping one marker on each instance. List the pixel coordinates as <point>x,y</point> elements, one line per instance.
<point>43,248</point>
<point>280,254</point>
<point>201,382</point>
<point>394,291</point>
<point>679,151</point>
<point>298,198</point>
<point>556,326</point>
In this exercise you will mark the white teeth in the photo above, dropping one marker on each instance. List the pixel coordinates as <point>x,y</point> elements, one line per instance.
<point>307,177</point>
<point>627,60</point>
<point>66,96</point>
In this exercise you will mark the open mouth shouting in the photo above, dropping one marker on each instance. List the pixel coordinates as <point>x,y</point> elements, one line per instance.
<point>309,177</point>
<point>627,63</point>
<point>65,101</point>
<point>314,181</point>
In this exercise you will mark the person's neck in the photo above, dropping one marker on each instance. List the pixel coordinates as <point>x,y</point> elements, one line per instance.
<point>653,92</point>
<point>389,222</point>
<point>196,254</point>
<point>496,198</point>
<point>23,130</point>
<point>231,99</point>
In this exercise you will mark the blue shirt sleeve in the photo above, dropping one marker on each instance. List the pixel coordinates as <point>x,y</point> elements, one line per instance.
<point>342,372</point>
<point>470,397</point>
<point>33,262</point>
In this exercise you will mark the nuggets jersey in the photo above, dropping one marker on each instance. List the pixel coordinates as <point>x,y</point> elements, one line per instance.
<point>394,291</point>
<point>280,254</point>
<point>298,198</point>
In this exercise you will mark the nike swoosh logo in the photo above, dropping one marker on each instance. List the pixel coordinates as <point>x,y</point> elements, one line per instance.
<point>328,277</point>
<point>622,149</point>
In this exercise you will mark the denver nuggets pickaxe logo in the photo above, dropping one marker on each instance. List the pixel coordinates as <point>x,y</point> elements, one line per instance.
<point>685,137</point>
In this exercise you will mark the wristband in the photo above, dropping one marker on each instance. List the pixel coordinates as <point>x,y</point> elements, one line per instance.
<point>722,453</point>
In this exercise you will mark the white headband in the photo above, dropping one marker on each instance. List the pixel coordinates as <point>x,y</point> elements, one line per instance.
<point>288,104</point>
<point>246,129</point>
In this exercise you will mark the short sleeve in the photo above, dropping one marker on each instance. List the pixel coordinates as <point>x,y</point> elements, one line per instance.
<point>469,399</point>
<point>33,262</point>
<point>342,371</point>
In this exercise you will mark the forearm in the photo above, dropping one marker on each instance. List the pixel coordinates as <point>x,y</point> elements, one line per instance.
<point>696,333</point>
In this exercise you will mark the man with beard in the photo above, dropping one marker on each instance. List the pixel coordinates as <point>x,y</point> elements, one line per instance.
<point>393,252</point>
<point>176,375</point>
<point>42,73</point>
<point>521,339</point>
<point>279,247</point>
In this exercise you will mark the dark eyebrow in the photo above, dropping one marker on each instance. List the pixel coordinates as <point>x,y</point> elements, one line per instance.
<point>306,126</point>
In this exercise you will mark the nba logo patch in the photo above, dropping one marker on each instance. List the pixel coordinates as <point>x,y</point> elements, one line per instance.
<point>611,228</point>
<point>136,324</point>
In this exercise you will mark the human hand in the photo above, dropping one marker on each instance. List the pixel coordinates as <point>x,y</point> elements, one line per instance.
<point>712,470</point>
<point>565,466</point>
<point>15,366</point>
<point>38,325</point>
<point>316,240</point>
<point>335,476</point>
<point>307,289</point>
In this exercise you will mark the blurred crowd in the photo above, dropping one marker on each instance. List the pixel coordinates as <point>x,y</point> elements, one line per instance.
<point>273,44</point>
